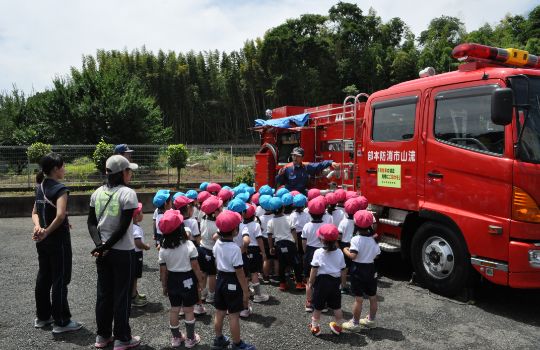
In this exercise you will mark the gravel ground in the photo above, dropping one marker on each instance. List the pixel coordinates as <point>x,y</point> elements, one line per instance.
<point>409,316</point>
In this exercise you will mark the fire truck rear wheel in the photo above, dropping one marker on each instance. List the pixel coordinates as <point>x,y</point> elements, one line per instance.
<point>440,258</point>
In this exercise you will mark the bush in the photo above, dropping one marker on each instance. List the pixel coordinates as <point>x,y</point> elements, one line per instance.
<point>103,151</point>
<point>246,176</point>
<point>37,150</point>
<point>80,169</point>
<point>177,156</point>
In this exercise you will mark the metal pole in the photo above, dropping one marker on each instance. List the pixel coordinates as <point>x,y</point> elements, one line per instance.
<point>232,166</point>
<point>28,170</point>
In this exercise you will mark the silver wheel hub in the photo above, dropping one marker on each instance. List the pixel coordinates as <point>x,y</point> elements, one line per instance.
<point>437,257</point>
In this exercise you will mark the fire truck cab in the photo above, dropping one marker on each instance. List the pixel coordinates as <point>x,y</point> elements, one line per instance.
<point>450,164</point>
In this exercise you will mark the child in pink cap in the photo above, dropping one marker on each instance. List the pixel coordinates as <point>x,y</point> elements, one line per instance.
<point>209,234</point>
<point>363,251</point>
<point>327,271</point>
<point>346,231</point>
<point>138,238</point>
<point>332,208</point>
<point>232,291</point>
<point>310,240</point>
<point>181,276</point>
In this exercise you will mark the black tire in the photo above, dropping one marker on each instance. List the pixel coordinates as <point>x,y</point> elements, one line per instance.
<point>449,281</point>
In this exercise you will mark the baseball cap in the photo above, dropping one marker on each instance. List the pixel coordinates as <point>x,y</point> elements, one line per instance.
<point>213,187</point>
<point>281,192</point>
<point>255,198</point>
<point>363,202</point>
<point>170,221</point>
<point>237,205</point>
<point>352,206</point>
<point>341,195</point>
<point>287,199</point>
<point>182,201</point>
<point>331,198</point>
<point>122,148</point>
<point>317,206</point>
<point>250,211</point>
<point>225,194</point>
<point>227,188</point>
<point>118,163</point>
<point>202,196</point>
<point>211,205</point>
<point>294,193</point>
<point>161,197</point>
<point>299,201</point>
<point>299,151</point>
<point>313,193</point>
<point>351,194</point>
<point>244,196</point>
<point>264,202</point>
<point>328,232</point>
<point>178,194</point>
<point>228,220</point>
<point>137,210</point>
<point>275,203</point>
<point>192,194</point>
<point>250,190</point>
<point>266,190</point>
<point>203,186</point>
<point>363,219</point>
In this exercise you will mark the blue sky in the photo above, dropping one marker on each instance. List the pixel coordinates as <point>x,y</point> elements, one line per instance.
<point>41,39</point>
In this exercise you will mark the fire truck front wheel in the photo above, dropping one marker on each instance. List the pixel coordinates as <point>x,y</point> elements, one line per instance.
<point>440,258</point>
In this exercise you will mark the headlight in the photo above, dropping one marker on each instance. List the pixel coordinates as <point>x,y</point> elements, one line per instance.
<point>534,258</point>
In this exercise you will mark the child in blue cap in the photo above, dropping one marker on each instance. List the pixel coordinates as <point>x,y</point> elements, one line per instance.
<point>283,244</point>
<point>298,219</point>
<point>163,202</point>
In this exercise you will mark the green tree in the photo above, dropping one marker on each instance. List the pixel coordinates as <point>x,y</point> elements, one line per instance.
<point>177,156</point>
<point>37,150</point>
<point>103,151</point>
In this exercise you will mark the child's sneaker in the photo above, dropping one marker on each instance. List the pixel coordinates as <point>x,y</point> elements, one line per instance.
<point>199,309</point>
<point>102,342</point>
<point>138,301</point>
<point>220,343</point>
<point>315,330</point>
<point>210,297</point>
<point>70,327</point>
<point>243,346</point>
<point>274,279</point>
<point>261,298</point>
<point>309,306</point>
<point>246,312</point>
<point>40,324</point>
<point>265,279</point>
<point>300,286</point>
<point>366,322</point>
<point>176,341</point>
<point>351,326</point>
<point>189,343</point>
<point>345,290</point>
<point>123,345</point>
<point>283,286</point>
<point>335,328</point>
<point>141,296</point>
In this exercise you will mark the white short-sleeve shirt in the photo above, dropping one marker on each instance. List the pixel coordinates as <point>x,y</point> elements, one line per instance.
<point>228,256</point>
<point>193,226</point>
<point>309,233</point>
<point>178,259</point>
<point>337,215</point>
<point>299,220</point>
<point>280,228</point>
<point>259,211</point>
<point>366,248</point>
<point>328,262</point>
<point>253,229</point>
<point>138,233</point>
<point>264,222</point>
<point>346,228</point>
<point>208,228</point>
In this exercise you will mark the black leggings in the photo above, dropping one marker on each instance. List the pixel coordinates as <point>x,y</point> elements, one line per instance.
<point>288,256</point>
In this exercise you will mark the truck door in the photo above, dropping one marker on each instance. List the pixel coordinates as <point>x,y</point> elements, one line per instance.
<point>468,172</point>
<point>390,151</point>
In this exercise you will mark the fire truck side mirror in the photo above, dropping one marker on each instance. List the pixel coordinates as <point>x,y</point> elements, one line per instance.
<point>502,106</point>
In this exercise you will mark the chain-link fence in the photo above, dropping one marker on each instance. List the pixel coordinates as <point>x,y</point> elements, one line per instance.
<point>219,163</point>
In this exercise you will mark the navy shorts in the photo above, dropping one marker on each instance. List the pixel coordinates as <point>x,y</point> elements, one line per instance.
<point>363,279</point>
<point>138,264</point>
<point>182,288</point>
<point>267,249</point>
<point>347,260</point>
<point>308,256</point>
<point>229,294</point>
<point>254,259</point>
<point>326,291</point>
<point>207,261</point>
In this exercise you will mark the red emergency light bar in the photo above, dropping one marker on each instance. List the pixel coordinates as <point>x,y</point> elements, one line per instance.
<point>511,57</point>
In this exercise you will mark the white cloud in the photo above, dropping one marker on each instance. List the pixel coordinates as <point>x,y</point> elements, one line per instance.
<point>40,39</point>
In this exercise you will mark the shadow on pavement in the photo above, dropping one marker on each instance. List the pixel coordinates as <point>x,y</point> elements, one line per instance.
<point>380,333</point>
<point>355,339</point>
<point>263,320</point>
<point>82,337</point>
<point>150,308</point>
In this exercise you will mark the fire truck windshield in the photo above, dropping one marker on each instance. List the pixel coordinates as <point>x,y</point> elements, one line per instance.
<point>527,97</point>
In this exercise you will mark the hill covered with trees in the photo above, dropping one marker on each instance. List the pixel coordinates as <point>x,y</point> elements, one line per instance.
<point>210,97</point>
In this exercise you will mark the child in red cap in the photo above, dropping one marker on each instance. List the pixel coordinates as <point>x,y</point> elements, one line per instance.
<point>327,270</point>
<point>138,238</point>
<point>310,240</point>
<point>363,251</point>
<point>209,234</point>
<point>231,287</point>
<point>336,212</point>
<point>180,276</point>
<point>346,230</point>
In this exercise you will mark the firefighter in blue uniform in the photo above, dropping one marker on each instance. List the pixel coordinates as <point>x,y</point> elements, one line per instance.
<point>296,175</point>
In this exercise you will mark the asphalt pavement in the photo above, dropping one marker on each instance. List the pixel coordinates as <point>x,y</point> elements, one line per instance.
<point>409,317</point>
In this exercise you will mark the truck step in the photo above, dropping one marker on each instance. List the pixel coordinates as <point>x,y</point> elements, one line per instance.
<point>389,244</point>
<point>391,222</point>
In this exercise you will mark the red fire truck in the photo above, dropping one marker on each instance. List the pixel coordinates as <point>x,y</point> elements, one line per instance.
<point>450,164</point>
